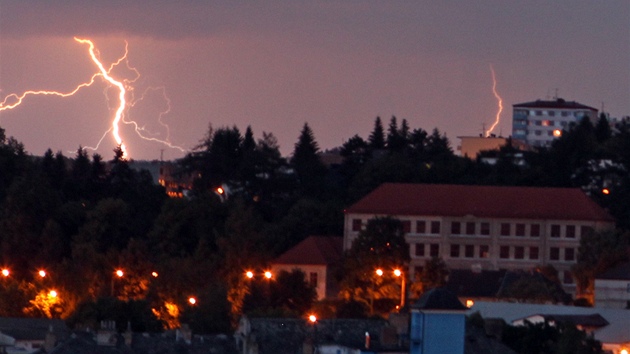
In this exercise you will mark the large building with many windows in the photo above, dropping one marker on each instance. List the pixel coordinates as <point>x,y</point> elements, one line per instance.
<point>537,123</point>
<point>484,227</point>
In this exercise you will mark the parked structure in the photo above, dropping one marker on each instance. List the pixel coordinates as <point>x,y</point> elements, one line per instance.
<point>484,227</point>
<point>539,122</point>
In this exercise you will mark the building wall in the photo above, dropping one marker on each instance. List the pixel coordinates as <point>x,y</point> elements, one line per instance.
<point>487,243</point>
<point>539,126</point>
<point>312,273</point>
<point>437,332</point>
<point>612,293</point>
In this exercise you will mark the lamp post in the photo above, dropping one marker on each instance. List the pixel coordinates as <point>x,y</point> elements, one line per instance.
<point>403,290</point>
<point>117,273</point>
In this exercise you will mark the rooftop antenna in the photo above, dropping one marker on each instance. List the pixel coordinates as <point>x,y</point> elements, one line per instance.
<point>556,95</point>
<point>548,97</point>
<point>483,129</point>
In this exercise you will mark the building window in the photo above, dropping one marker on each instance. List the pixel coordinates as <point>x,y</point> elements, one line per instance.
<point>435,227</point>
<point>570,231</point>
<point>586,230</point>
<point>313,279</point>
<point>456,228</point>
<point>454,251</point>
<point>567,277</point>
<point>533,253</point>
<point>356,225</point>
<point>520,230</point>
<point>434,250</point>
<point>534,230</point>
<point>420,249</point>
<point>569,254</point>
<point>519,252</point>
<point>555,230</point>
<point>406,225</point>
<point>484,251</point>
<point>421,227</point>
<point>470,228</point>
<point>469,251</point>
<point>554,254</point>
<point>506,229</point>
<point>484,228</point>
<point>504,252</point>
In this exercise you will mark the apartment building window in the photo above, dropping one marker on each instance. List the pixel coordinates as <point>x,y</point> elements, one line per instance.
<point>569,254</point>
<point>454,251</point>
<point>554,254</point>
<point>420,249</point>
<point>520,230</point>
<point>484,251</point>
<point>484,228</point>
<point>435,227</point>
<point>506,229</point>
<point>519,252</point>
<point>406,225</point>
<point>586,230</point>
<point>470,228</point>
<point>356,224</point>
<point>434,250</point>
<point>456,228</point>
<point>421,227</point>
<point>567,277</point>
<point>313,279</point>
<point>504,252</point>
<point>533,253</point>
<point>570,231</point>
<point>534,230</point>
<point>555,230</point>
<point>469,251</point>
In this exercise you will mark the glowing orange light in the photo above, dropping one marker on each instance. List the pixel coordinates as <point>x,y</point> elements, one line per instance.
<point>557,133</point>
<point>606,191</point>
<point>397,272</point>
<point>268,274</point>
<point>5,272</point>
<point>220,190</point>
<point>469,303</point>
<point>312,318</point>
<point>154,274</point>
<point>249,274</point>
<point>623,351</point>
<point>192,300</point>
<point>499,99</point>
<point>119,273</point>
<point>42,273</point>
<point>379,272</point>
<point>52,293</point>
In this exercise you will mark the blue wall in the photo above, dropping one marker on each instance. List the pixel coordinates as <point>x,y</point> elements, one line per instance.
<point>437,332</point>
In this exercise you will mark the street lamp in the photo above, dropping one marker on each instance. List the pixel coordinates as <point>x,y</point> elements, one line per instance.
<point>118,273</point>
<point>42,273</point>
<point>399,273</point>
<point>192,300</point>
<point>5,272</point>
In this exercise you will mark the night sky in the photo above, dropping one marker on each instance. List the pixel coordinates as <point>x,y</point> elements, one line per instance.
<point>275,65</point>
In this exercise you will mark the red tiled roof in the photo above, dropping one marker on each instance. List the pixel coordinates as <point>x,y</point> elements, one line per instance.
<point>324,250</point>
<point>480,201</point>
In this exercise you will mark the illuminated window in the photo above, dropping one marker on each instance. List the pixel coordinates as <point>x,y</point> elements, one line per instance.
<point>484,251</point>
<point>470,228</point>
<point>421,227</point>
<point>435,227</point>
<point>356,225</point>
<point>555,230</point>
<point>456,228</point>
<point>533,253</point>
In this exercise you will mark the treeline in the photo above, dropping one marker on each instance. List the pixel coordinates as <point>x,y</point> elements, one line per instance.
<point>83,217</point>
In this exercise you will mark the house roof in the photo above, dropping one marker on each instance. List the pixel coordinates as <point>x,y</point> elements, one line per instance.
<point>480,201</point>
<point>620,272</point>
<point>314,250</point>
<point>439,299</point>
<point>557,103</point>
<point>592,320</point>
<point>465,282</point>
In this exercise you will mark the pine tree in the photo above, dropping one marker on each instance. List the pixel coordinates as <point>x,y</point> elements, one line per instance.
<point>377,137</point>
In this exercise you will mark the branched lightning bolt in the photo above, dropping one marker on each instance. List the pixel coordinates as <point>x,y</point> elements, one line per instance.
<point>123,87</point>
<point>499,100</point>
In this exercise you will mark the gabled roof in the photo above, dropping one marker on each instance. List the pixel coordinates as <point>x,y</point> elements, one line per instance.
<point>314,250</point>
<point>557,103</point>
<point>620,272</point>
<point>480,201</point>
<point>439,299</point>
<point>465,282</point>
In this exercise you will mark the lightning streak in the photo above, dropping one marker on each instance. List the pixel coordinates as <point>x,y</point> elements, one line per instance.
<point>499,100</point>
<point>124,88</point>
